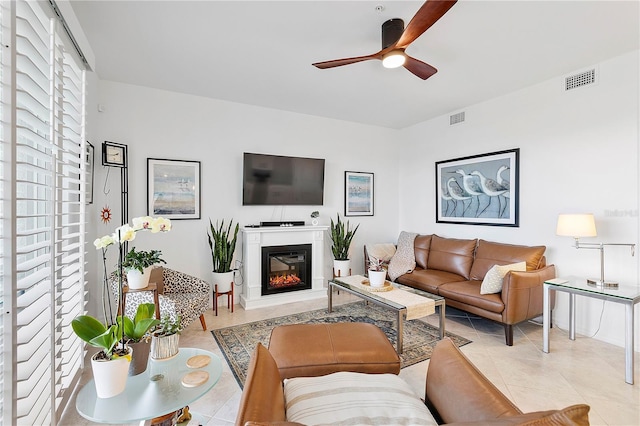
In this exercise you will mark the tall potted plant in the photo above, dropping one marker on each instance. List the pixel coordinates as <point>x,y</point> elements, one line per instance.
<point>138,266</point>
<point>223,245</point>
<point>110,365</point>
<point>341,236</point>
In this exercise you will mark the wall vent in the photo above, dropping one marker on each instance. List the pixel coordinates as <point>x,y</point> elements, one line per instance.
<point>581,79</point>
<point>456,118</point>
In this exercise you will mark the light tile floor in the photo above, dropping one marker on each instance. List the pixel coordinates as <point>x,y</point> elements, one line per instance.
<point>581,371</point>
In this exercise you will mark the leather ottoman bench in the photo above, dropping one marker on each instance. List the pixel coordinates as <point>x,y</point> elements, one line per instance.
<point>308,350</point>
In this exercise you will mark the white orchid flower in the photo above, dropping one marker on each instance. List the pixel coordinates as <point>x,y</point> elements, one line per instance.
<point>143,222</point>
<point>160,224</point>
<point>126,233</point>
<point>103,242</point>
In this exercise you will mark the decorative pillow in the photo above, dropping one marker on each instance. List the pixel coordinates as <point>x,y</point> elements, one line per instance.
<point>404,261</point>
<point>347,398</point>
<point>492,282</point>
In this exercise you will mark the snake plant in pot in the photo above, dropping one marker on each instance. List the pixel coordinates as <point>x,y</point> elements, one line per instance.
<point>223,244</point>
<point>341,236</point>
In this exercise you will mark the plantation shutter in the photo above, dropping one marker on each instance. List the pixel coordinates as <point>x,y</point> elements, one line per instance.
<point>43,233</point>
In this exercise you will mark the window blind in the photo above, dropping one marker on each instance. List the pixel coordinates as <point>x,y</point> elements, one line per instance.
<point>44,236</point>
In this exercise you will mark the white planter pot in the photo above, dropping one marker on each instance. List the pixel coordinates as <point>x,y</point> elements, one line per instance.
<point>224,281</point>
<point>341,268</point>
<point>137,280</point>
<point>110,377</point>
<point>377,278</point>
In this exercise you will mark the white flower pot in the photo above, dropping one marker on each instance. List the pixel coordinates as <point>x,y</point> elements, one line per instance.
<point>223,280</point>
<point>137,280</point>
<point>341,268</point>
<point>377,278</point>
<point>110,377</point>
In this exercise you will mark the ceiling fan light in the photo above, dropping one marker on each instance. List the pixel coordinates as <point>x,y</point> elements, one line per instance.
<point>394,59</point>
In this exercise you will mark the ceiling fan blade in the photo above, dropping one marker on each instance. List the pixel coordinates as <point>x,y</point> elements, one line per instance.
<point>419,68</point>
<point>427,15</point>
<point>346,61</point>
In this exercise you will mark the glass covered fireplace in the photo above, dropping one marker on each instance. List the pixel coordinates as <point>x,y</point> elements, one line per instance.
<point>286,268</point>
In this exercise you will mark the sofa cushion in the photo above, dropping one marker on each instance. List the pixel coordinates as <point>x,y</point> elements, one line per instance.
<point>404,261</point>
<point>468,292</point>
<point>492,282</point>
<point>354,398</point>
<point>428,279</point>
<point>489,253</point>
<point>451,255</point>
<point>422,244</point>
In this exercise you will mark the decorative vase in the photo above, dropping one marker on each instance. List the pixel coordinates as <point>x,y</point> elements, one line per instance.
<point>138,280</point>
<point>314,221</point>
<point>377,278</point>
<point>110,376</point>
<point>224,281</point>
<point>341,268</point>
<point>140,357</point>
<point>164,347</point>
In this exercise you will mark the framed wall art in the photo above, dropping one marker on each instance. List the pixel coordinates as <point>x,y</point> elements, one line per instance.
<point>89,166</point>
<point>479,190</point>
<point>173,188</point>
<point>358,194</point>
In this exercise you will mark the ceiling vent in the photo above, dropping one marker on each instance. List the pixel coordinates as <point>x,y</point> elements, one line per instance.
<point>456,118</point>
<point>581,79</point>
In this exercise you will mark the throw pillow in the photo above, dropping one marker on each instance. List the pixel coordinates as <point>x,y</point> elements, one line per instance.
<point>404,261</point>
<point>492,282</point>
<point>347,398</point>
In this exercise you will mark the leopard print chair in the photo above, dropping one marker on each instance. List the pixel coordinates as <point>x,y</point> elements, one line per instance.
<point>180,294</point>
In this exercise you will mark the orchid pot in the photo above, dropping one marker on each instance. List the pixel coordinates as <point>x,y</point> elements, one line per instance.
<point>110,376</point>
<point>137,280</point>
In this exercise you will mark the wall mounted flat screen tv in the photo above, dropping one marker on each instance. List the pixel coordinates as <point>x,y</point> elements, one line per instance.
<point>275,180</point>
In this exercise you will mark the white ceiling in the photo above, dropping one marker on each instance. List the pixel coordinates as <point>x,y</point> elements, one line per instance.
<point>260,52</point>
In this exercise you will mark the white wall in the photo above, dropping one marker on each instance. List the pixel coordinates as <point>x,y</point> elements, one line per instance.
<point>578,153</point>
<point>160,124</point>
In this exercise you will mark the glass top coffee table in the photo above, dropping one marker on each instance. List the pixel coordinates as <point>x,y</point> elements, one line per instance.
<point>375,298</point>
<point>144,398</point>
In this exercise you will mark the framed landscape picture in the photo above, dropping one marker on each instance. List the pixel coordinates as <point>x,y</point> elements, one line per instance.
<point>479,190</point>
<point>358,194</point>
<point>173,188</point>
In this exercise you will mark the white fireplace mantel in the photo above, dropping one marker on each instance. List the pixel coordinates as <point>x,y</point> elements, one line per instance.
<point>253,239</point>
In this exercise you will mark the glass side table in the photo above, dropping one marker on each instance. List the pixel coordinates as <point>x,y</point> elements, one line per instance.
<point>144,398</point>
<point>626,294</point>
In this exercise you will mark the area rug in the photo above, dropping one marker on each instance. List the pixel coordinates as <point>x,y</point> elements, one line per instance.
<point>238,342</point>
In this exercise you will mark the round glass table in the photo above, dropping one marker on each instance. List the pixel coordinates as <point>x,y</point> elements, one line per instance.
<point>153,393</point>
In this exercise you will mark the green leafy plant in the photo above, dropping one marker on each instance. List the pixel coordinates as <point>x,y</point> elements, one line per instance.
<point>222,245</point>
<point>139,327</point>
<point>141,259</point>
<point>341,236</point>
<point>167,327</point>
<point>98,335</point>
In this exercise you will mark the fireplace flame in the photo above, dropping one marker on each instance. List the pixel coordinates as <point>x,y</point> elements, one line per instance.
<point>285,280</point>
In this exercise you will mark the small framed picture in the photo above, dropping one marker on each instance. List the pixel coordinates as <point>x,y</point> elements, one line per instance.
<point>89,160</point>
<point>173,188</point>
<point>358,194</point>
<point>114,154</point>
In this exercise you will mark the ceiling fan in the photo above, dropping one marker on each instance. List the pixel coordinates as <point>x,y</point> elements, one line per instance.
<point>396,38</point>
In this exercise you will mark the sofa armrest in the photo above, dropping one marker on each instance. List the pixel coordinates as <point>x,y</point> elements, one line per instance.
<point>522,294</point>
<point>456,391</point>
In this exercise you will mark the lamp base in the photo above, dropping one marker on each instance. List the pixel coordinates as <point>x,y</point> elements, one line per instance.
<point>601,284</point>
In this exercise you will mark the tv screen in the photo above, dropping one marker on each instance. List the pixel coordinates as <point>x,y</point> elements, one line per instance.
<point>279,180</point>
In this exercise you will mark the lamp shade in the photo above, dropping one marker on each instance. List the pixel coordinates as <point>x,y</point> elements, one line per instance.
<point>576,225</point>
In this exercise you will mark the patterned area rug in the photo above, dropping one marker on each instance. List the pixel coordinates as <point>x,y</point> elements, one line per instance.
<point>238,342</point>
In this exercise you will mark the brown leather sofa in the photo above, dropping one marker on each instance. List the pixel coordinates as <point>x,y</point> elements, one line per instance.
<point>455,268</point>
<point>456,392</point>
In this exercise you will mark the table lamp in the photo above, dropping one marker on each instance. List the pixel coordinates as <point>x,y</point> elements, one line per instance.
<point>584,225</point>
